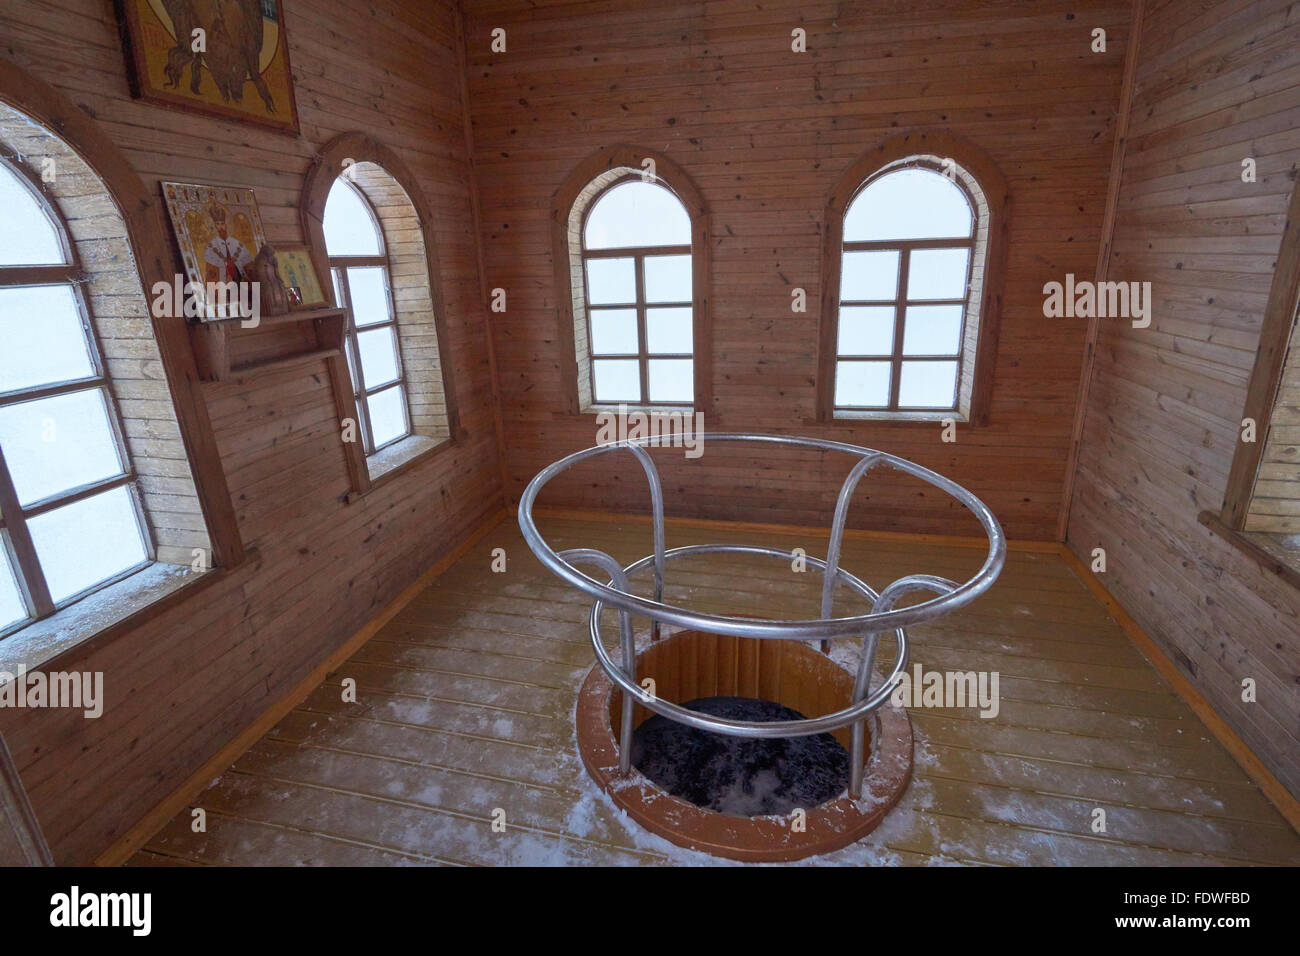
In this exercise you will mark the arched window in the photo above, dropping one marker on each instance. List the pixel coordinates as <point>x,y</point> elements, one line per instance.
<point>368,224</point>
<point>636,261</point>
<point>362,284</point>
<point>71,518</point>
<point>91,492</point>
<point>632,258</point>
<point>909,280</point>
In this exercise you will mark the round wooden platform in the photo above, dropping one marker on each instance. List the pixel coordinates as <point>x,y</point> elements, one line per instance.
<point>692,664</point>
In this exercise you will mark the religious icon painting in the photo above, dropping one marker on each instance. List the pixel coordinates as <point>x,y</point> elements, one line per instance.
<point>298,272</point>
<point>227,59</point>
<point>219,231</point>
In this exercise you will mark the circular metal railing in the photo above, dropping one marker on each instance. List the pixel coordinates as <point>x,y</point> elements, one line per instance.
<point>883,618</point>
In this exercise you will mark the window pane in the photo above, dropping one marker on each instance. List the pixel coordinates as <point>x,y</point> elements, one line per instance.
<point>668,278</point>
<point>616,380</point>
<point>84,543</point>
<point>669,330</point>
<point>909,204</point>
<point>928,385</point>
<point>671,380</point>
<point>869,275</point>
<point>58,443</point>
<point>937,274</point>
<point>611,281</point>
<point>862,384</point>
<point>338,288</point>
<point>613,332</point>
<point>11,600</point>
<point>866,330</point>
<point>369,295</point>
<point>387,415</point>
<point>27,236</point>
<point>378,356</point>
<point>932,329</point>
<point>42,337</point>
<point>637,214</point>
<point>349,227</point>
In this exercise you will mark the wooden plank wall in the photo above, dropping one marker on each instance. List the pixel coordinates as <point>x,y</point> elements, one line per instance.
<point>1217,82</point>
<point>765,132</point>
<point>181,687</point>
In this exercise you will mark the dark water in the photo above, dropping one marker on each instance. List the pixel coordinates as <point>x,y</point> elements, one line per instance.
<point>737,776</point>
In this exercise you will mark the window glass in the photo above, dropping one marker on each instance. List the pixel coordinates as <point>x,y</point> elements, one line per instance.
<point>862,384</point>
<point>58,443</point>
<point>350,229</point>
<point>88,541</point>
<point>27,235</point>
<point>42,335</point>
<point>637,214</point>
<point>908,204</point>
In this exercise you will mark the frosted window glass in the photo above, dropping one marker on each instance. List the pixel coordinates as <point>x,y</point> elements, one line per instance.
<point>369,295</point>
<point>58,443</point>
<point>928,385</point>
<point>41,338</point>
<point>350,228</point>
<point>387,415</point>
<point>668,278</point>
<point>862,384</point>
<point>669,330</point>
<point>932,330</point>
<point>611,281</point>
<point>617,380</point>
<point>637,214</point>
<point>378,356</point>
<point>937,274</point>
<point>27,236</point>
<point>613,332</point>
<point>671,380</point>
<point>869,275</point>
<point>84,543</point>
<point>909,204</point>
<point>866,330</point>
<point>11,601</point>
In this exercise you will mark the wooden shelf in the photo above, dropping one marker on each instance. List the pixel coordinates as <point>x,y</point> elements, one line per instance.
<point>218,345</point>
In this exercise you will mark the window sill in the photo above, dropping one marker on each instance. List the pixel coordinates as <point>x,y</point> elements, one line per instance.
<point>93,621</point>
<point>592,410</point>
<point>902,418</point>
<point>385,465</point>
<point>1276,553</point>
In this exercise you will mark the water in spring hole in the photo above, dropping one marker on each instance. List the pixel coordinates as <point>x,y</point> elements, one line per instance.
<point>737,776</point>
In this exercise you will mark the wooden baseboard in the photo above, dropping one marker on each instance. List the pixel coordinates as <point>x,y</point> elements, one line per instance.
<point>180,798</point>
<point>1273,789</point>
<point>861,534</point>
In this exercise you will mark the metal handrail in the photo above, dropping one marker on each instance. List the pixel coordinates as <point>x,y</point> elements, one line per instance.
<point>882,618</point>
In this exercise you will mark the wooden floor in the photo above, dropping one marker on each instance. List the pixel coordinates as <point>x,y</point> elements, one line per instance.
<point>464,706</point>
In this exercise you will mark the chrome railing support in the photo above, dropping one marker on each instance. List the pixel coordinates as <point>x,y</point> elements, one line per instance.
<point>619,578</point>
<point>837,535</point>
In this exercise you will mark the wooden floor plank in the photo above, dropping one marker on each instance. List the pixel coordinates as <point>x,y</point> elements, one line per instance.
<point>464,705</point>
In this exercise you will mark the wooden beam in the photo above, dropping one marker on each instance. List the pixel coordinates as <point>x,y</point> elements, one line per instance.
<point>1118,152</point>
<point>480,255</point>
<point>1270,360</point>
